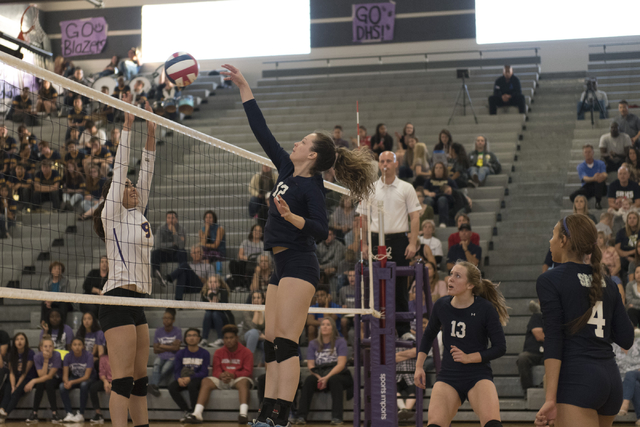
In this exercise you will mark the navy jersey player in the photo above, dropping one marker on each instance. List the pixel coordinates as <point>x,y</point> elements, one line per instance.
<point>297,219</point>
<point>471,315</point>
<point>583,314</point>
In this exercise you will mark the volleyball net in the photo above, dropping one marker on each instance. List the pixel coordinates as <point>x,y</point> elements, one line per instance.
<point>207,204</point>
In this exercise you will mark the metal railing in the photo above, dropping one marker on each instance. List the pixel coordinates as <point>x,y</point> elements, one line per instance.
<point>605,45</point>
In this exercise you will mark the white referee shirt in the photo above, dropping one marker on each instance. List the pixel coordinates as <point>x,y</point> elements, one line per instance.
<point>128,234</point>
<point>399,199</point>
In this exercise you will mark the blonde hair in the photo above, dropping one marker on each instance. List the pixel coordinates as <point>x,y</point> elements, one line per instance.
<point>486,289</point>
<point>626,225</point>
<point>420,154</point>
<point>221,285</point>
<point>586,205</point>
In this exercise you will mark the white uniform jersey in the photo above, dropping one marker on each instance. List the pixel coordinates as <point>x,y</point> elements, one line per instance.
<point>127,232</point>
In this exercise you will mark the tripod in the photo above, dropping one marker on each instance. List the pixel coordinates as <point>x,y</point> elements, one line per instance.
<point>465,97</point>
<point>592,104</point>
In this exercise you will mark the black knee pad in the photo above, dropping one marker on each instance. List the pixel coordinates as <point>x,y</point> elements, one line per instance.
<point>493,423</point>
<point>269,352</point>
<point>285,349</point>
<point>433,425</point>
<point>140,387</point>
<point>122,386</point>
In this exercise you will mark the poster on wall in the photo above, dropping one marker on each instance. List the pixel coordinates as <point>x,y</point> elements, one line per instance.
<point>373,22</point>
<point>83,36</point>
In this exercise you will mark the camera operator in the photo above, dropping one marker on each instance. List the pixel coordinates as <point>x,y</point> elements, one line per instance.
<point>588,98</point>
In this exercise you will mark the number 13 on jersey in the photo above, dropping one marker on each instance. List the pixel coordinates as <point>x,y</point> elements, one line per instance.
<point>597,319</point>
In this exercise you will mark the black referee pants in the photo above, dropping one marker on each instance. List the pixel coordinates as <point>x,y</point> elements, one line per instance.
<point>398,243</point>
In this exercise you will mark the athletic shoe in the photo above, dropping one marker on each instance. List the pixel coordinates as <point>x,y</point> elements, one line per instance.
<point>636,332</point>
<point>191,419</point>
<point>256,423</point>
<point>336,422</point>
<point>217,343</point>
<point>78,418</point>
<point>33,418</point>
<point>471,183</point>
<point>405,415</point>
<point>299,421</point>
<point>153,390</point>
<point>184,417</point>
<point>599,206</point>
<point>97,419</point>
<point>203,343</point>
<point>162,279</point>
<point>69,418</point>
<point>443,225</point>
<point>56,418</point>
<point>243,419</point>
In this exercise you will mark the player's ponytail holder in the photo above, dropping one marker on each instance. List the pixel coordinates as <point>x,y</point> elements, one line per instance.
<point>564,225</point>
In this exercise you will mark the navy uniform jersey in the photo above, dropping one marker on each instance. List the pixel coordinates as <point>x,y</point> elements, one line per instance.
<point>564,297</point>
<point>305,196</point>
<point>470,329</point>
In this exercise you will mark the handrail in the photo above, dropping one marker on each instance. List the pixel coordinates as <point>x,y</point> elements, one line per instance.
<point>425,54</point>
<point>24,45</point>
<point>604,45</point>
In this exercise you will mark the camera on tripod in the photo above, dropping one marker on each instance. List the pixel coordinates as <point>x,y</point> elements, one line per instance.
<point>591,83</point>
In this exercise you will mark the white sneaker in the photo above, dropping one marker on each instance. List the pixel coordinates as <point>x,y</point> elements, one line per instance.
<point>69,418</point>
<point>78,418</point>
<point>203,343</point>
<point>443,225</point>
<point>217,343</point>
<point>198,416</point>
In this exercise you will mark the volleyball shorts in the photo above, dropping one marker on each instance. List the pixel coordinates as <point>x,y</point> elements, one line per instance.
<point>592,384</point>
<point>112,316</point>
<point>463,383</point>
<point>299,265</point>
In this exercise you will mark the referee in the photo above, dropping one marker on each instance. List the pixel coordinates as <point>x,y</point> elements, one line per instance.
<point>400,204</point>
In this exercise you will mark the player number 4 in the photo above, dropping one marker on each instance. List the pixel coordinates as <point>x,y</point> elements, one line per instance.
<point>597,319</point>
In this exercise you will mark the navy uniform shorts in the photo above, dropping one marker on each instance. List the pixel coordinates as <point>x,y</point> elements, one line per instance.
<point>592,384</point>
<point>299,265</point>
<point>112,316</point>
<point>463,383</point>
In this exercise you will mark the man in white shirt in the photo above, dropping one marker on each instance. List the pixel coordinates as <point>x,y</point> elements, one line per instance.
<point>400,204</point>
<point>614,147</point>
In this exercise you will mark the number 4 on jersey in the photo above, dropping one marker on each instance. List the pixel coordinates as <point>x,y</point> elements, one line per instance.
<point>597,319</point>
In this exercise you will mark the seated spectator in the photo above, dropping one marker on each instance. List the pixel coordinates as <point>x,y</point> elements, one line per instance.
<point>93,284</point>
<point>405,386</point>
<point>626,239</point>
<point>24,157</point>
<point>327,361</point>
<point>47,153</point>
<point>624,210</point>
<point>92,192</point>
<point>22,109</point>
<point>330,252</point>
<point>139,95</point>
<point>21,372</point>
<point>232,369</point>
<point>420,165</point>
<point>73,188</point>
<point>633,263</point>
<point>170,241</point>
<point>459,165</point>
<point>628,123</point>
<point>437,285</point>
<point>606,224</point>
<point>60,333</point>
<point>532,351</point>
<point>215,291</point>
<point>254,324</point>
<point>408,130</point>
<point>242,269</point>
<point>341,221</point>
<point>337,137</point>
<point>7,142</point>
<point>74,155</point>
<point>5,340</point>
<point>623,188</point>
<point>428,239</point>
<point>405,156</point>
<point>441,149</point>
<point>98,156</point>
<point>435,196</point>
<point>323,299</point>
<point>262,274</point>
<point>633,164</point>
<point>92,336</point>
<point>614,147</point>
<point>381,141</point>
<point>629,366</point>
<point>600,103</point>
<point>77,118</point>
<point>593,176</point>
<point>166,343</point>
<point>47,97</point>
<point>48,365</point>
<point>347,299</point>
<point>261,183</point>
<point>610,256</point>
<point>190,276</point>
<point>62,65</point>
<point>465,250</point>
<point>55,282</point>
<point>102,384</point>
<point>507,91</point>
<point>365,140</point>
<point>111,68</point>
<point>454,238</point>
<point>104,113</point>
<point>8,209</point>
<point>130,67</point>
<point>580,206</point>
<point>78,77</point>
<point>76,373</point>
<point>191,366</point>
<point>482,162</point>
<point>114,141</point>
<point>91,131</point>
<point>632,298</point>
<point>426,211</point>
<point>121,88</point>
<point>212,238</point>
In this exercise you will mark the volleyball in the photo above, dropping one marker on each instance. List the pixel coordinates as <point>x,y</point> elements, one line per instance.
<point>181,69</point>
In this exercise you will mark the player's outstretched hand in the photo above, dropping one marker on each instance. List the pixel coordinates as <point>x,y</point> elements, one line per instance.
<point>151,126</point>
<point>546,416</point>
<point>420,378</point>
<point>234,75</point>
<point>282,206</point>
<point>128,117</point>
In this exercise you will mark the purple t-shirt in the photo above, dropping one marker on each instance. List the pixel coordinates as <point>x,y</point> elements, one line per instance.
<point>167,338</point>
<point>54,362</point>
<point>91,339</point>
<point>23,359</point>
<point>326,355</point>
<point>78,365</point>
<point>66,339</point>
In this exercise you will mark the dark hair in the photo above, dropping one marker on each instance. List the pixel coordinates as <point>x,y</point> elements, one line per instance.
<point>587,146</point>
<point>425,315</point>
<point>14,356</point>
<point>171,311</point>
<point>48,163</point>
<point>98,228</point>
<point>404,130</point>
<point>56,263</point>
<point>377,134</point>
<point>172,213</point>
<point>324,288</point>
<point>78,339</point>
<point>94,139</point>
<point>262,295</point>
<point>215,217</point>
<point>191,330</point>
<point>444,169</point>
<point>583,240</point>
<point>354,169</point>
<point>462,158</point>
<point>253,227</point>
<point>3,186</point>
<point>337,127</point>
<point>69,142</point>
<point>89,124</point>
<point>628,160</point>
<point>230,329</point>
<point>623,101</point>
<point>446,132</point>
<point>82,331</point>
<point>60,326</point>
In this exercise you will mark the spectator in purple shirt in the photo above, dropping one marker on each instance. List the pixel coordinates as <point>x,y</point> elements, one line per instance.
<point>166,344</point>
<point>92,336</point>
<point>48,364</point>
<point>21,371</point>
<point>61,333</point>
<point>77,369</point>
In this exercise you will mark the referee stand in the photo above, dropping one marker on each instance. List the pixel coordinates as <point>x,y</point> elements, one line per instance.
<point>376,351</point>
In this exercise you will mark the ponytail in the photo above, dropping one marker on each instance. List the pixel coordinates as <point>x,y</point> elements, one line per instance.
<point>486,289</point>
<point>98,228</point>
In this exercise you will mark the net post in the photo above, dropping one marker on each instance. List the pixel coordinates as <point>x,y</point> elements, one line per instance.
<point>382,252</point>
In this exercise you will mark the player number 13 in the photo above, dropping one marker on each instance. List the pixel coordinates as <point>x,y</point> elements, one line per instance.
<point>597,319</point>
<point>461,333</point>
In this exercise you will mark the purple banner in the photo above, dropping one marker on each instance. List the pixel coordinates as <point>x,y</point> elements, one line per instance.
<point>373,22</point>
<point>83,36</point>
